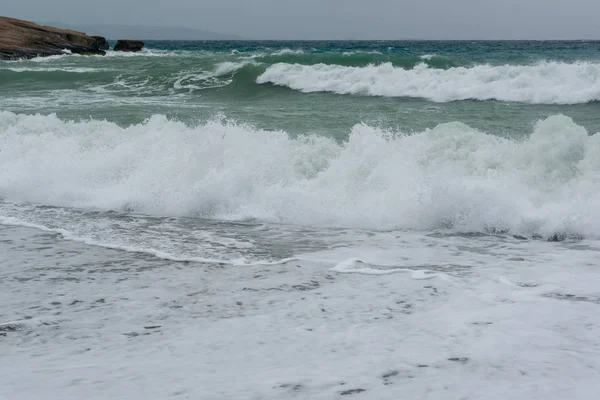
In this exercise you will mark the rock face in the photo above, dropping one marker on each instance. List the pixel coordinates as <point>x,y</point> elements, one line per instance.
<point>23,39</point>
<point>102,43</point>
<point>129,45</point>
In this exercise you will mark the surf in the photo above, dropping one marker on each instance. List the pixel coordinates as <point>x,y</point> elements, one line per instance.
<point>450,177</point>
<point>541,83</point>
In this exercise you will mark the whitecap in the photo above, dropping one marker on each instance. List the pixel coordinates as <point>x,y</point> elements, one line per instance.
<point>543,83</point>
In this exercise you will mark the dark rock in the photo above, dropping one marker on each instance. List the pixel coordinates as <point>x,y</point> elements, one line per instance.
<point>352,391</point>
<point>463,360</point>
<point>291,386</point>
<point>23,39</point>
<point>101,42</point>
<point>557,237</point>
<point>9,327</point>
<point>135,334</point>
<point>129,45</point>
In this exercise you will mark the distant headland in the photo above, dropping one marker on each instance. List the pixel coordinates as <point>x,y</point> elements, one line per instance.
<point>141,32</point>
<point>24,39</point>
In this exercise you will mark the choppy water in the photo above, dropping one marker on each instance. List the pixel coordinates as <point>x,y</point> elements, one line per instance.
<point>282,211</point>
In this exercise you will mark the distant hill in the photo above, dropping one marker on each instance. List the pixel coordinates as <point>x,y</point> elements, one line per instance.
<point>113,32</point>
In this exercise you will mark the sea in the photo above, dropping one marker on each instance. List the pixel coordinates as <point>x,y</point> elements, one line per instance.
<point>302,220</point>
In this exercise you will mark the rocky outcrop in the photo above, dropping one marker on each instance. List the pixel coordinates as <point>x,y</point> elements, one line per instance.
<point>102,43</point>
<point>23,39</point>
<point>129,45</point>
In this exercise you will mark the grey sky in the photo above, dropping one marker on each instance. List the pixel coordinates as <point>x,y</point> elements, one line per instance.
<point>334,19</point>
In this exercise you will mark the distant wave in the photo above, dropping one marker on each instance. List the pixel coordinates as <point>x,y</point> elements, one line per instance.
<point>351,53</point>
<point>364,73</point>
<point>544,83</point>
<point>356,59</point>
<point>452,177</point>
<point>144,53</point>
<point>287,51</point>
<point>77,70</point>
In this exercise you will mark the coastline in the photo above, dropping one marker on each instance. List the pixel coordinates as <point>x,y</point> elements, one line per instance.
<point>21,39</point>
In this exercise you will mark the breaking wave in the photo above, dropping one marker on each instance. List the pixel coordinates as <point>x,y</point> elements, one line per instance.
<point>451,177</point>
<point>543,83</point>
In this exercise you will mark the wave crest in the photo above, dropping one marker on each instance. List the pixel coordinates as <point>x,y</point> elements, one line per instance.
<point>451,177</point>
<point>544,83</point>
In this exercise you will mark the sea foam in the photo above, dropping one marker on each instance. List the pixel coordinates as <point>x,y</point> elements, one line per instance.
<point>221,76</point>
<point>451,177</point>
<point>543,83</point>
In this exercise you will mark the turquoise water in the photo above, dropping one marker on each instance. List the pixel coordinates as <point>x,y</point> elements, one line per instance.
<point>499,87</point>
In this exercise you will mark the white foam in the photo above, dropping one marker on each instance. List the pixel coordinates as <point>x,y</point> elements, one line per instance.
<point>49,58</point>
<point>126,328</point>
<point>451,177</point>
<point>77,70</point>
<point>219,77</point>
<point>229,67</point>
<point>145,52</point>
<point>356,266</point>
<point>153,252</point>
<point>284,52</point>
<point>198,81</point>
<point>544,83</point>
<point>68,235</point>
<point>351,53</point>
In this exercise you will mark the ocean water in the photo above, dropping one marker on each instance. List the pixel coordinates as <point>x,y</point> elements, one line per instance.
<point>310,220</point>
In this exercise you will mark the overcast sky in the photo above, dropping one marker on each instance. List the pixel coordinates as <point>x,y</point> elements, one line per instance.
<point>334,19</point>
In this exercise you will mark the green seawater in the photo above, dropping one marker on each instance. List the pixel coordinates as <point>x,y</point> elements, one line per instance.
<point>322,88</point>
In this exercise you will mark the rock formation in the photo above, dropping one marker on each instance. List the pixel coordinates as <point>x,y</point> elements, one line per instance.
<point>102,43</point>
<point>129,45</point>
<point>24,39</point>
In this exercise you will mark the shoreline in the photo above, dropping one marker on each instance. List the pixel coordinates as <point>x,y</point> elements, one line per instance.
<point>21,39</point>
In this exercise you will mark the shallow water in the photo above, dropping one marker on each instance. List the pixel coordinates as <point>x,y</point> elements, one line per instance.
<point>85,320</point>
